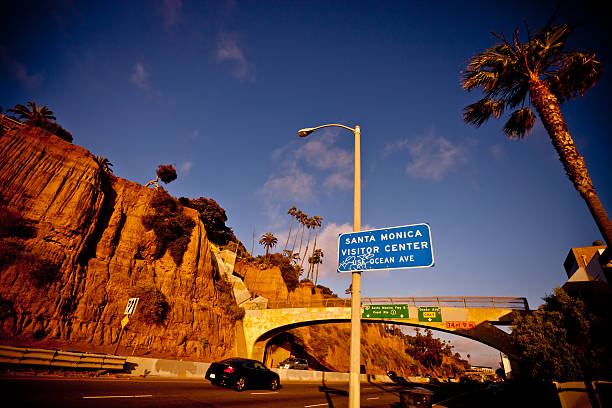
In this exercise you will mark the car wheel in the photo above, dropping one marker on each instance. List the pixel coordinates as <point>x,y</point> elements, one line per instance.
<point>274,384</point>
<point>240,384</point>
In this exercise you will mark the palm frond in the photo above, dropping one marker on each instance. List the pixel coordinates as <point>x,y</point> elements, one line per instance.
<point>575,74</point>
<point>479,112</point>
<point>520,123</point>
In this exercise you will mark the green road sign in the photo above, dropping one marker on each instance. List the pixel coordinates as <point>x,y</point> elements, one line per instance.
<point>430,314</point>
<point>384,312</point>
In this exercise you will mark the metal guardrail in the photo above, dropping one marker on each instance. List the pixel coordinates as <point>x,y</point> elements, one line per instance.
<point>514,303</point>
<point>59,359</point>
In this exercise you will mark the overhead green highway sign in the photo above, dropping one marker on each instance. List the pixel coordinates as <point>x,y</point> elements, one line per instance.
<point>430,314</point>
<point>384,312</point>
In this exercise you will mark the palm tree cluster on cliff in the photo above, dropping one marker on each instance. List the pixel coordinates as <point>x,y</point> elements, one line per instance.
<point>542,69</point>
<point>304,222</point>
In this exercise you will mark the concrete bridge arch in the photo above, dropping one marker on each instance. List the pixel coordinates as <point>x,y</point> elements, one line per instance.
<point>478,324</point>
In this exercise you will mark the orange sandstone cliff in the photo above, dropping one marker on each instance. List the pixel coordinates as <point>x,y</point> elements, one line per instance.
<point>89,223</point>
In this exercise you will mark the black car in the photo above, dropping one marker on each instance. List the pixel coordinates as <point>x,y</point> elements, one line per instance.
<point>240,373</point>
<point>294,363</point>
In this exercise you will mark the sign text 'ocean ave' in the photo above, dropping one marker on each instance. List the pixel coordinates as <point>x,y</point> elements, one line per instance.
<point>408,246</point>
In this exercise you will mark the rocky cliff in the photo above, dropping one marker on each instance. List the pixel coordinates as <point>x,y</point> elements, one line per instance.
<point>89,224</point>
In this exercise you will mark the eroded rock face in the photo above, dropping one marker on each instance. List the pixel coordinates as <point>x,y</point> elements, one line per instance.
<point>90,224</point>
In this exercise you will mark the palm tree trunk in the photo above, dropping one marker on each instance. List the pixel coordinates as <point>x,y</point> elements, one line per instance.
<point>301,238</point>
<point>306,250</point>
<point>289,235</point>
<point>314,246</point>
<point>297,232</point>
<point>547,106</point>
<point>317,278</point>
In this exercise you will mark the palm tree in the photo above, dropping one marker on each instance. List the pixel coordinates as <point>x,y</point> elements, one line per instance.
<point>298,216</point>
<point>318,255</point>
<point>32,114</point>
<point>104,164</point>
<point>292,212</point>
<point>268,240</point>
<point>318,223</point>
<point>303,219</point>
<point>310,223</point>
<point>549,74</point>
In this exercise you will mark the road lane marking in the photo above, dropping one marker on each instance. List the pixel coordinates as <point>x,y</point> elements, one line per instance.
<point>118,396</point>
<point>264,393</point>
<point>315,405</point>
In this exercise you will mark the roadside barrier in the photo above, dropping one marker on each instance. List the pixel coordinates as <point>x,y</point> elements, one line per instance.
<point>59,359</point>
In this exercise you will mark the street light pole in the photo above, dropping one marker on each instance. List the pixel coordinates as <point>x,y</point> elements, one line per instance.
<point>354,388</point>
<point>355,347</point>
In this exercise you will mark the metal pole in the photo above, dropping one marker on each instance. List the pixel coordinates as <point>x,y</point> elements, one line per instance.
<point>118,340</point>
<point>354,390</point>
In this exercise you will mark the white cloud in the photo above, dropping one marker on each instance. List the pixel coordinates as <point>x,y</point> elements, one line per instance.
<point>296,185</point>
<point>140,77</point>
<point>430,157</point>
<point>497,152</point>
<point>229,50</point>
<point>19,70</point>
<point>193,135</point>
<point>186,167</point>
<point>172,12</point>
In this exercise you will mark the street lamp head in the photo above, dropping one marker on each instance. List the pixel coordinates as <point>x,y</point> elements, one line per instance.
<point>305,132</point>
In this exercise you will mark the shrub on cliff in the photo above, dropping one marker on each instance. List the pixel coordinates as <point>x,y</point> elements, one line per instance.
<point>226,300</point>
<point>166,173</point>
<point>289,272</point>
<point>172,228</point>
<point>213,217</point>
<point>152,307</point>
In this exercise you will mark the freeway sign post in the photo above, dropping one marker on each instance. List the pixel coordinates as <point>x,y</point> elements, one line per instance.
<point>402,247</point>
<point>385,312</point>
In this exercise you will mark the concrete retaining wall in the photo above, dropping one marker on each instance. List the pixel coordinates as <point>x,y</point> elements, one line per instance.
<point>138,366</point>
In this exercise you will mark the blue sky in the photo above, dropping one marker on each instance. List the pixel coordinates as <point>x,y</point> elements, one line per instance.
<point>219,89</point>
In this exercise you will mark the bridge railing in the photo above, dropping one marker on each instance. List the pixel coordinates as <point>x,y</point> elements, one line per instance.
<point>515,303</point>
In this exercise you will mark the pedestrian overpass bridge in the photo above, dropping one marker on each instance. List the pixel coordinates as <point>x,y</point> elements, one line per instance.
<point>472,317</point>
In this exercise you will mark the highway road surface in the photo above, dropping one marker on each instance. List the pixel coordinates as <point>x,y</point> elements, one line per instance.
<point>33,391</point>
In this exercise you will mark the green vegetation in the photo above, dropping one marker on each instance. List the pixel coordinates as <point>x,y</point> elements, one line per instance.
<point>153,307</point>
<point>515,74</point>
<point>213,217</point>
<point>104,164</point>
<point>172,228</point>
<point>567,338</point>
<point>165,173</point>
<point>226,299</point>
<point>289,272</point>
<point>269,241</point>
<point>42,117</point>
